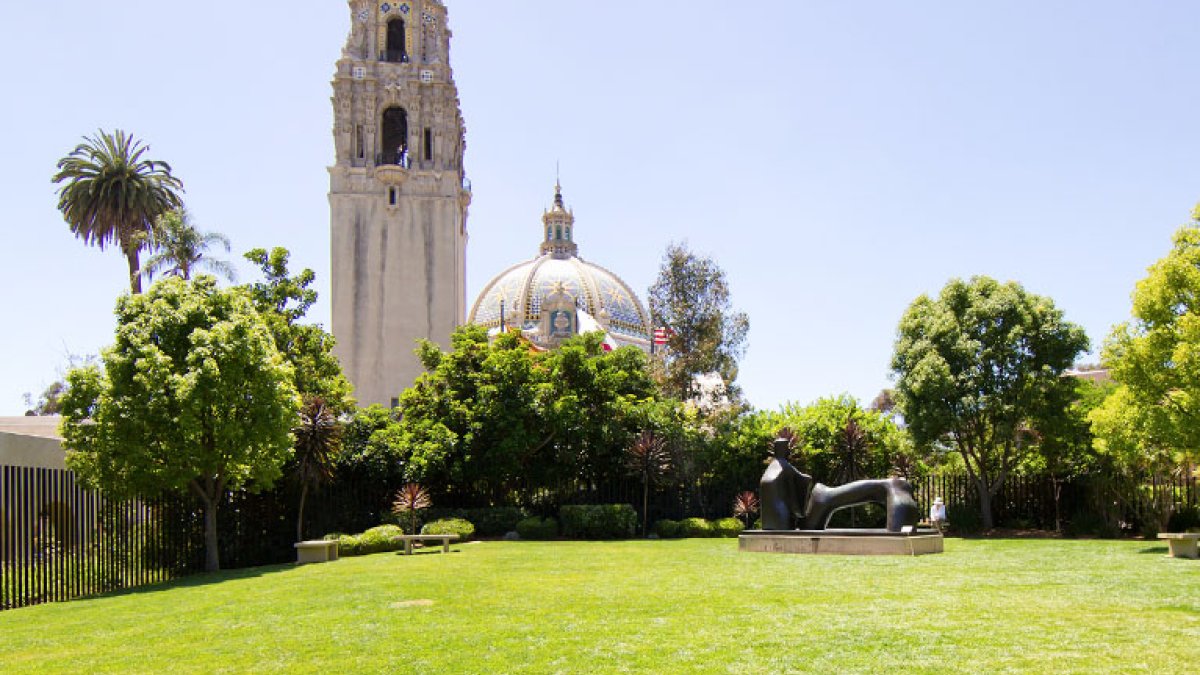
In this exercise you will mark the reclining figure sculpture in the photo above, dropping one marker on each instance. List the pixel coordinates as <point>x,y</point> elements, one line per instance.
<point>790,500</point>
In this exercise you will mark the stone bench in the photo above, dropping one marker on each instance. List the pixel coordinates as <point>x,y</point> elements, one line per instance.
<point>1182,544</point>
<point>410,538</point>
<point>317,550</point>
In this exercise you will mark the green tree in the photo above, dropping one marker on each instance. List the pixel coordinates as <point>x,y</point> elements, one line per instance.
<point>113,194</point>
<point>978,365</point>
<point>193,396</point>
<point>283,300</point>
<point>690,298</point>
<point>1064,444</point>
<point>180,248</point>
<point>1149,423</point>
<point>487,418</point>
<point>318,438</point>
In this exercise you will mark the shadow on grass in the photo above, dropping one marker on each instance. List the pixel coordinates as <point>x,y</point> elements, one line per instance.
<point>1161,550</point>
<point>195,580</point>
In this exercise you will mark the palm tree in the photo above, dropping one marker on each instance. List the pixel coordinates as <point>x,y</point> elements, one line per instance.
<point>318,437</point>
<point>649,458</point>
<point>180,248</point>
<point>112,194</point>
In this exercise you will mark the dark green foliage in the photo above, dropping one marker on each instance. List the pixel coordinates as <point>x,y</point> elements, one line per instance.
<point>727,527</point>
<point>489,521</point>
<point>667,529</point>
<point>1089,523</point>
<point>866,515</point>
<point>1184,519</point>
<point>490,418</point>
<point>963,519</point>
<point>463,528</point>
<point>534,528</point>
<point>598,521</point>
<point>690,528</point>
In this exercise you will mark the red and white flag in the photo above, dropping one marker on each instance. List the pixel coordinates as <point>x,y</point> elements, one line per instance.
<point>662,334</point>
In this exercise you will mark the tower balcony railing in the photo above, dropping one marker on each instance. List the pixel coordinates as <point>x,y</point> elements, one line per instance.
<point>400,159</point>
<point>393,56</point>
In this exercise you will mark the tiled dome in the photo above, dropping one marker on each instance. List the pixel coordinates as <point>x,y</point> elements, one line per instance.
<point>597,291</point>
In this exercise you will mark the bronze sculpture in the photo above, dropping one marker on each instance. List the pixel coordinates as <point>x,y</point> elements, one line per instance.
<point>790,500</point>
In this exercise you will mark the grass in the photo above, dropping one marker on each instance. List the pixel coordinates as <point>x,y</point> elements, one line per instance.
<point>644,606</point>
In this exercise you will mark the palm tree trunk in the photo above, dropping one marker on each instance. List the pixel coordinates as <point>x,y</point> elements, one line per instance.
<point>300,515</point>
<point>135,271</point>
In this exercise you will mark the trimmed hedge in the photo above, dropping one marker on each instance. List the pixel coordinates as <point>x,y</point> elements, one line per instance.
<point>727,527</point>
<point>535,528</point>
<point>375,540</point>
<point>463,528</point>
<point>598,521</point>
<point>695,527</point>
<point>666,529</point>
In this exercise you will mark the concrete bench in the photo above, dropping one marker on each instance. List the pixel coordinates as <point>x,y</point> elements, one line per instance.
<point>318,550</point>
<point>444,538</point>
<point>1182,544</point>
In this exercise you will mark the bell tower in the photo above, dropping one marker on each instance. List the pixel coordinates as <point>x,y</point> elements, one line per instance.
<point>398,194</point>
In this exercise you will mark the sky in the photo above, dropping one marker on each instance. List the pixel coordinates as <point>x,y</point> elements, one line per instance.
<point>837,160</point>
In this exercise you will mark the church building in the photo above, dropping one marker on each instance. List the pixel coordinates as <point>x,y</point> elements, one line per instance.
<point>398,206</point>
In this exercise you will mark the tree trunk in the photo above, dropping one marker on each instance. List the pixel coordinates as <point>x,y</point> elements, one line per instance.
<point>212,556</point>
<point>985,505</point>
<point>645,512</point>
<point>300,515</point>
<point>135,271</point>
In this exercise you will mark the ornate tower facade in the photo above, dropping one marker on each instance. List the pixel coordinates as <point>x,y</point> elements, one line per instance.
<point>398,194</point>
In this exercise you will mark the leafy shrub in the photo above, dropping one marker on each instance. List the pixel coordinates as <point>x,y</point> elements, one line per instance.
<point>727,527</point>
<point>598,521</point>
<point>535,528</point>
<point>667,529</point>
<point>374,540</point>
<point>963,519</point>
<point>695,527</point>
<point>463,528</point>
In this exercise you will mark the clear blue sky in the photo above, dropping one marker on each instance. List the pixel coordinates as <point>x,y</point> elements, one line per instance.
<point>837,159</point>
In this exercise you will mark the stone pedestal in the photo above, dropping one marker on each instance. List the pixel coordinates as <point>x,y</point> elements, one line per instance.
<point>841,542</point>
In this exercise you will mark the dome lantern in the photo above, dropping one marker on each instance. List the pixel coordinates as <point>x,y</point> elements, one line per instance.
<point>559,224</point>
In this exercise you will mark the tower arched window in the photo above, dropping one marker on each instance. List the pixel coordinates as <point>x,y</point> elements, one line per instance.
<point>568,233</point>
<point>397,50</point>
<point>558,232</point>
<point>395,137</point>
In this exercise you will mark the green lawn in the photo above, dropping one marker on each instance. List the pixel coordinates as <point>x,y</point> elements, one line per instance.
<point>644,606</point>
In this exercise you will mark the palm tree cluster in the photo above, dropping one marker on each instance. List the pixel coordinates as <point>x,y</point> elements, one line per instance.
<point>113,194</point>
<point>410,499</point>
<point>181,248</point>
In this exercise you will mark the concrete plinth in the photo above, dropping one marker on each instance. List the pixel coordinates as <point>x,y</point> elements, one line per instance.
<point>841,542</point>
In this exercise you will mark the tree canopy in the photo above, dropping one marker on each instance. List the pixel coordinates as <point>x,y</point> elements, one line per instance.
<point>193,396</point>
<point>487,418</point>
<point>691,299</point>
<point>976,367</point>
<point>283,299</point>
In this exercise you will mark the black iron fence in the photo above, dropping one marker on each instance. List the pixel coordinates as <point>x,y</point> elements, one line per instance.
<point>59,541</point>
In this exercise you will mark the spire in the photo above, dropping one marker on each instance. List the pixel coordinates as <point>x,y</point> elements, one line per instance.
<point>559,228</point>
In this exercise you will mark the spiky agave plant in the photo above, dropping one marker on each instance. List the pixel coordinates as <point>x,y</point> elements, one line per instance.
<point>410,499</point>
<point>649,458</point>
<point>745,505</point>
